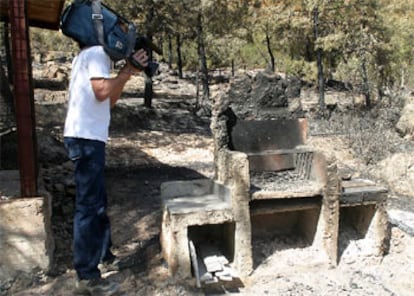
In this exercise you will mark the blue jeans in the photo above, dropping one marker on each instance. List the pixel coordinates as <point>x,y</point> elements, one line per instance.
<point>91,226</point>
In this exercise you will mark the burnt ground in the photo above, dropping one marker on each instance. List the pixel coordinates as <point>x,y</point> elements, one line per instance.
<point>169,142</point>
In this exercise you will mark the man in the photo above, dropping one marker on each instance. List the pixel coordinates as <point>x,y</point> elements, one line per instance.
<point>92,92</point>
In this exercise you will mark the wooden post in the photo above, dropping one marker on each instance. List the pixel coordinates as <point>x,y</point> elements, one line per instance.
<point>24,98</point>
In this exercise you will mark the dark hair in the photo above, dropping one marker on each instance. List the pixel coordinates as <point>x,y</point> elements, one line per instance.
<point>81,45</point>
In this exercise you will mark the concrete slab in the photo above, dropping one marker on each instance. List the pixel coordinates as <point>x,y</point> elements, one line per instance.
<point>210,202</point>
<point>26,240</point>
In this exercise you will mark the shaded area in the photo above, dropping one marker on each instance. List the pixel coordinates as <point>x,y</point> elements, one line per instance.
<point>133,178</point>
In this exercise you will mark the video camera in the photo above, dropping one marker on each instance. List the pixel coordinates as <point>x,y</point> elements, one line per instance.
<point>90,23</point>
<point>143,42</point>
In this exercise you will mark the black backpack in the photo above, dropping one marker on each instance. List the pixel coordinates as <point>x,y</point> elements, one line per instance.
<point>90,23</point>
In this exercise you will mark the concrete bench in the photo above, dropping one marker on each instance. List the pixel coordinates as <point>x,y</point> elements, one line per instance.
<point>197,211</point>
<point>363,224</point>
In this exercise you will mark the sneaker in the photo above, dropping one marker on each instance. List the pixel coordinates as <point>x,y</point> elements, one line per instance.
<point>113,264</point>
<point>97,286</point>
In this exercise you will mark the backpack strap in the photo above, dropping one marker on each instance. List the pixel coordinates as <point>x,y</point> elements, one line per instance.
<point>97,18</point>
<point>98,21</point>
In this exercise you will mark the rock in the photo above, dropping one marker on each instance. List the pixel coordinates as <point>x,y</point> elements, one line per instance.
<point>399,177</point>
<point>265,95</point>
<point>405,125</point>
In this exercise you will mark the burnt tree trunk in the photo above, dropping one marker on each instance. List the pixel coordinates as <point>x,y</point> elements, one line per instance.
<point>365,87</point>
<point>170,51</point>
<point>201,103</point>
<point>179,58</point>
<point>269,50</point>
<point>321,79</point>
<point>148,91</point>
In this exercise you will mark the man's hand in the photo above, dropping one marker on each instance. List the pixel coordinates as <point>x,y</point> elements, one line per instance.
<point>111,88</point>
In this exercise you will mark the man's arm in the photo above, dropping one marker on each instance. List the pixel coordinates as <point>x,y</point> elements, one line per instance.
<point>112,88</point>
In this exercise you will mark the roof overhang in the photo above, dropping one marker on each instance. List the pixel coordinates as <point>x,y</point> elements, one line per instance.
<point>41,13</point>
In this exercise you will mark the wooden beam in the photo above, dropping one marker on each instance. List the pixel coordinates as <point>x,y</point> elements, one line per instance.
<point>24,98</point>
<point>40,13</point>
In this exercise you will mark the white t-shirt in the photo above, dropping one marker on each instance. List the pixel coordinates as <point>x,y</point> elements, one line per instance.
<point>87,117</point>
